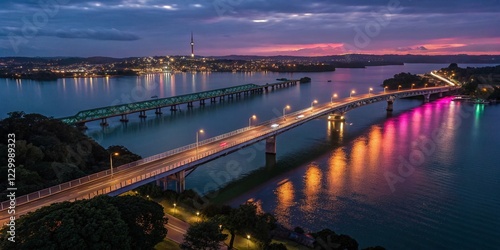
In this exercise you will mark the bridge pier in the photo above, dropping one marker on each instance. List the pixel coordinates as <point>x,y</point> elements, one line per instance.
<point>180,178</point>
<point>271,151</point>
<point>427,97</point>
<point>202,102</point>
<point>221,98</point>
<point>104,122</point>
<point>173,108</point>
<point>162,183</point>
<point>230,96</point>
<point>212,100</point>
<point>142,114</point>
<point>158,111</point>
<point>190,105</point>
<point>124,118</point>
<point>390,103</point>
<point>336,117</point>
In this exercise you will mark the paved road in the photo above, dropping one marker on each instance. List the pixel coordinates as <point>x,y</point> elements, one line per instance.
<point>176,229</point>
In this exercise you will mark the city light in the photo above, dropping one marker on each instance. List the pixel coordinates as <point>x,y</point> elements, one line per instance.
<point>111,162</point>
<point>285,108</point>
<point>250,120</point>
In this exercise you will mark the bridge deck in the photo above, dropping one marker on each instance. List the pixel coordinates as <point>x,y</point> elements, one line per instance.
<point>123,109</point>
<point>132,175</point>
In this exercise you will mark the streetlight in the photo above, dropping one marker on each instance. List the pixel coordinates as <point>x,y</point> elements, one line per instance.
<point>370,91</point>
<point>399,87</point>
<point>286,107</point>
<point>175,206</point>
<point>385,88</point>
<point>412,85</point>
<point>352,92</point>
<point>197,135</point>
<point>248,242</point>
<point>198,216</point>
<point>220,227</point>
<point>334,96</point>
<point>312,103</point>
<point>250,120</point>
<point>425,86</point>
<point>111,161</point>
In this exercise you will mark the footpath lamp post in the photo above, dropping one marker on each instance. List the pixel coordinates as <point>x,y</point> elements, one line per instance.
<point>198,216</point>
<point>111,162</point>
<point>370,91</point>
<point>175,206</point>
<point>352,92</point>
<point>385,88</point>
<point>312,104</point>
<point>334,96</point>
<point>250,120</point>
<point>399,87</point>
<point>248,241</point>
<point>412,85</point>
<point>197,135</point>
<point>285,108</point>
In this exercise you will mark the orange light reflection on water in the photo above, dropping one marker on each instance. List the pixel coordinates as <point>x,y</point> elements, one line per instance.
<point>285,195</point>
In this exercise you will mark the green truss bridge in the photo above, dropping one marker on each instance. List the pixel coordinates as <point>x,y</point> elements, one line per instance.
<point>173,102</point>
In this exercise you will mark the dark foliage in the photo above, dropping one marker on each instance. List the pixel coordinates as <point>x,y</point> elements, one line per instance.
<point>99,223</point>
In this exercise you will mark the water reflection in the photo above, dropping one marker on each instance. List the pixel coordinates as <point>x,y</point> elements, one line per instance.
<point>285,196</point>
<point>312,187</point>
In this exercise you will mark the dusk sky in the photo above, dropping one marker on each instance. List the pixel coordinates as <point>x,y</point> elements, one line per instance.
<point>123,28</point>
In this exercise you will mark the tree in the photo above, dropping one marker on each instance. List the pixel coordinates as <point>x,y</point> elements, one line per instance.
<point>203,235</point>
<point>276,246</point>
<point>240,220</point>
<point>103,222</point>
<point>86,224</point>
<point>144,218</point>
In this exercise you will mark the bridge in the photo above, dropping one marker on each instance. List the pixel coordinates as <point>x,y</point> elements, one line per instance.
<point>173,102</point>
<point>174,164</point>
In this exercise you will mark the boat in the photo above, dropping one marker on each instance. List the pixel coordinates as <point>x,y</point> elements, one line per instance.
<point>281,79</point>
<point>481,101</point>
<point>461,98</point>
<point>329,81</point>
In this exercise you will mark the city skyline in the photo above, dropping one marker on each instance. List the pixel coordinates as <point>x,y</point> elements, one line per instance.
<point>123,28</point>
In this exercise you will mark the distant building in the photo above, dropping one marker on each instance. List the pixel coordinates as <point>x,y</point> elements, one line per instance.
<point>192,46</point>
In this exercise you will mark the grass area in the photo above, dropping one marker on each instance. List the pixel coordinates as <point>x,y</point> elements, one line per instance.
<point>167,244</point>
<point>180,211</point>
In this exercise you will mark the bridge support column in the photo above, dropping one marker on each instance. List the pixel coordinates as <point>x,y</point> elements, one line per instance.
<point>221,98</point>
<point>390,102</point>
<point>202,102</point>
<point>104,122</point>
<point>162,183</point>
<point>173,108</point>
<point>142,114</point>
<point>158,111</point>
<point>427,97</point>
<point>124,118</point>
<point>212,100</point>
<point>389,105</point>
<point>230,96</point>
<point>181,181</point>
<point>190,105</point>
<point>271,151</point>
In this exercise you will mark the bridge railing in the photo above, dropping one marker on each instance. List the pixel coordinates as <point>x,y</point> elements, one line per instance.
<point>71,184</point>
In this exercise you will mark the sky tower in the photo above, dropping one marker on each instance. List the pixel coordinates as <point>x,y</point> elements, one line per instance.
<point>192,45</point>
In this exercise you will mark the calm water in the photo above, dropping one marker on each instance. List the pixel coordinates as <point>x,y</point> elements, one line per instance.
<point>441,157</point>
